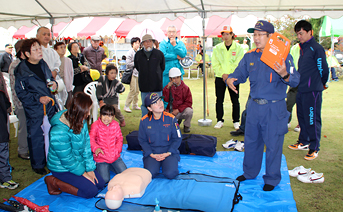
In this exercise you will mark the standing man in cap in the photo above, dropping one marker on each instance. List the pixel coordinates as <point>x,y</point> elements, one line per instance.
<point>94,53</point>
<point>267,115</point>
<point>314,72</point>
<point>225,59</point>
<point>179,98</point>
<point>6,58</point>
<point>50,56</point>
<point>173,50</point>
<point>150,64</point>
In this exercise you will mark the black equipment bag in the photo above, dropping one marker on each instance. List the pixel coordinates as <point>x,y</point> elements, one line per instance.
<point>192,144</point>
<point>195,144</point>
<point>127,75</point>
<point>132,141</point>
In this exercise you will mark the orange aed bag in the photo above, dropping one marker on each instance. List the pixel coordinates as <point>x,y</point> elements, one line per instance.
<point>275,50</point>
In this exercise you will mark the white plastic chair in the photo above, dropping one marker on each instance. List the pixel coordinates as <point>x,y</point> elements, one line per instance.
<point>90,90</point>
<point>13,118</point>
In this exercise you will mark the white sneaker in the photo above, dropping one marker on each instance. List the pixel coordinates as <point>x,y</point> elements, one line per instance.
<point>236,125</point>
<point>219,125</point>
<point>297,128</point>
<point>136,107</point>
<point>289,125</point>
<point>239,146</point>
<point>127,109</point>
<point>311,177</point>
<point>230,144</point>
<point>300,170</point>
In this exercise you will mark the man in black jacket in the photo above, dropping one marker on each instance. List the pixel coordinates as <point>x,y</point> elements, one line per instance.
<point>6,58</point>
<point>150,64</point>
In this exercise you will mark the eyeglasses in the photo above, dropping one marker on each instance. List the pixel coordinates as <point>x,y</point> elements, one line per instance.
<point>171,32</point>
<point>259,35</point>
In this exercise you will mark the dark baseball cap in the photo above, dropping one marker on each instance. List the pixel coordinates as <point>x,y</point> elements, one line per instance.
<point>262,25</point>
<point>152,98</point>
<point>8,45</point>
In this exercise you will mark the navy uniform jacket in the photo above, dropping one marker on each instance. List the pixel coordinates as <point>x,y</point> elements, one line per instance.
<point>29,88</point>
<point>265,83</point>
<point>313,68</point>
<point>159,136</point>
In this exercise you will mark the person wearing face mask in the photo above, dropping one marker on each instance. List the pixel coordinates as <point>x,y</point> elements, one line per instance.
<point>150,64</point>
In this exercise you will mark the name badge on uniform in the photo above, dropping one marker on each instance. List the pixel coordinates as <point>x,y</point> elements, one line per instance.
<point>233,53</point>
<point>291,70</point>
<point>178,130</point>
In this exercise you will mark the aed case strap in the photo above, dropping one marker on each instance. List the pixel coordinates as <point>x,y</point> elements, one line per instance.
<point>286,76</point>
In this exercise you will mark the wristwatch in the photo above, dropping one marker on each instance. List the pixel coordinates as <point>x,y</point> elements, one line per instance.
<point>286,76</point>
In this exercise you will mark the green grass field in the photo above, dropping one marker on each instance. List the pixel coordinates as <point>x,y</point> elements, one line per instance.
<point>309,197</point>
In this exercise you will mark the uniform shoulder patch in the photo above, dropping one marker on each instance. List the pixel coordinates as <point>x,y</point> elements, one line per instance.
<point>144,117</point>
<point>168,114</point>
<point>252,50</point>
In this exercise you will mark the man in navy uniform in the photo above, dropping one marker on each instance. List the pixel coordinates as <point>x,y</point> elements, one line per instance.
<point>267,115</point>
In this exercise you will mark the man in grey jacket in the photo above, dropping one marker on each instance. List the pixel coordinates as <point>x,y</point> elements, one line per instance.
<point>94,53</point>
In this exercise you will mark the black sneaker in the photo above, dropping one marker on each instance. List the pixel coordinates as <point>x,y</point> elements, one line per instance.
<point>241,178</point>
<point>186,129</point>
<point>237,132</point>
<point>268,187</point>
<point>40,171</point>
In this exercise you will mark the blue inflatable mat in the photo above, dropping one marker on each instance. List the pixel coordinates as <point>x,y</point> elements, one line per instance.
<point>222,164</point>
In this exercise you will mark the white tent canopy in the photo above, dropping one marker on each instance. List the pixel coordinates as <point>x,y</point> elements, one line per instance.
<point>28,12</point>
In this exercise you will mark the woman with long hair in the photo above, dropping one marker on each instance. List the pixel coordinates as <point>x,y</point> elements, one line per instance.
<point>70,158</point>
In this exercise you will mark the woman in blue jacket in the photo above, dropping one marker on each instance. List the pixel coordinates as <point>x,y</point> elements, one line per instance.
<point>160,138</point>
<point>31,78</point>
<point>70,159</point>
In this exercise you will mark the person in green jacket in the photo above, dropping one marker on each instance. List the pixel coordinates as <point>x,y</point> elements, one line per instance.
<point>225,59</point>
<point>70,158</point>
<point>333,64</point>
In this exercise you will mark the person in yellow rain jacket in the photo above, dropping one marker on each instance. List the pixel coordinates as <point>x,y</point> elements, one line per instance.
<point>225,59</point>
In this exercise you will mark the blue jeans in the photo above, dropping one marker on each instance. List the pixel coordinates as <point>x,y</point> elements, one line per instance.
<point>104,169</point>
<point>143,107</point>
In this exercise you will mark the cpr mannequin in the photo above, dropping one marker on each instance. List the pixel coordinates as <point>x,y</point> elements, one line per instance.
<point>131,183</point>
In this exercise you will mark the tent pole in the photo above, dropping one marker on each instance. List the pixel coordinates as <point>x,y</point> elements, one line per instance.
<point>204,122</point>
<point>52,22</point>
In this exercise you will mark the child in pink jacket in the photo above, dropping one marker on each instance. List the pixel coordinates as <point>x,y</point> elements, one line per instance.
<point>106,143</point>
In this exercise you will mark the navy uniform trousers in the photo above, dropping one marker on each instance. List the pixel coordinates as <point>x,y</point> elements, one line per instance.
<point>265,125</point>
<point>309,107</point>
<point>169,166</point>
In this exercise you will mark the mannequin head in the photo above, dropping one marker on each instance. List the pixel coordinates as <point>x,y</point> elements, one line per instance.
<point>114,197</point>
